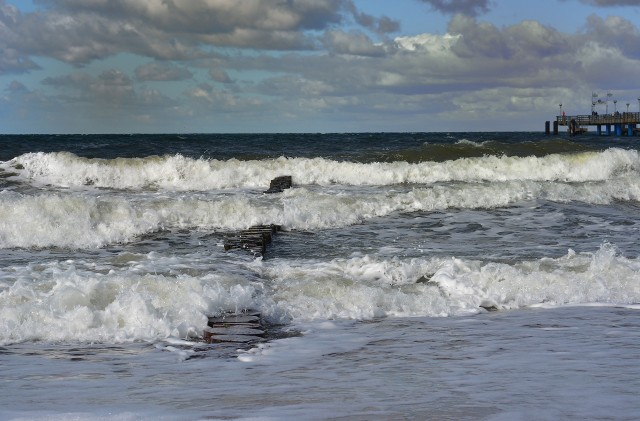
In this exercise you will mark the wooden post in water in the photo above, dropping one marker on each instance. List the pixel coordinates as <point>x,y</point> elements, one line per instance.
<point>547,128</point>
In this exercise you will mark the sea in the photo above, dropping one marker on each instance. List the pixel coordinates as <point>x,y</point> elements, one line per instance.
<point>415,276</point>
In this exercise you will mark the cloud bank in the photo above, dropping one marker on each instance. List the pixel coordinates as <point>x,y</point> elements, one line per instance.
<point>244,64</point>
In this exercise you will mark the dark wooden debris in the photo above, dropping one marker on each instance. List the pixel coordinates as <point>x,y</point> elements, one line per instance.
<point>241,328</point>
<point>254,239</point>
<point>279,184</point>
<point>230,333</point>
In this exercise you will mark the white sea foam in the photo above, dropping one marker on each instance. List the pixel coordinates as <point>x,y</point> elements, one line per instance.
<point>366,287</point>
<point>471,142</point>
<point>59,301</point>
<point>180,173</point>
<point>65,301</point>
<point>78,220</point>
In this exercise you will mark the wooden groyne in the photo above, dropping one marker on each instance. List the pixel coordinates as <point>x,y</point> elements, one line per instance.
<point>246,328</point>
<point>240,328</point>
<point>256,238</point>
<point>279,184</point>
<point>243,330</point>
<point>618,124</point>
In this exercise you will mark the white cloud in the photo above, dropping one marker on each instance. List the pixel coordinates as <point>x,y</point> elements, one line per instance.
<point>259,60</point>
<point>428,42</point>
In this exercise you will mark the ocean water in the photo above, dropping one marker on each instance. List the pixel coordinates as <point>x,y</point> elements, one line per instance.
<point>436,276</point>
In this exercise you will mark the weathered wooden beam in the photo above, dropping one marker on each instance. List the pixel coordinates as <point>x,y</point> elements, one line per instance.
<point>279,184</point>
<point>245,328</point>
<point>254,239</point>
<point>230,319</point>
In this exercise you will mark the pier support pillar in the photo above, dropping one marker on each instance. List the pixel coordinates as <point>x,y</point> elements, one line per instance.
<point>555,128</point>
<point>599,129</point>
<point>608,129</point>
<point>629,130</point>
<point>618,129</point>
<point>547,128</point>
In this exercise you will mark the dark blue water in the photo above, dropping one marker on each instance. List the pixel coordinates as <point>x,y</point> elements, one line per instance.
<point>359,147</point>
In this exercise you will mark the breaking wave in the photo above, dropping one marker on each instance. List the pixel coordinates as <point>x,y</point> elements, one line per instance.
<point>71,302</point>
<point>180,173</point>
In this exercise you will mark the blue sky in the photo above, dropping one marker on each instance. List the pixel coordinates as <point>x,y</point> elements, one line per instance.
<point>105,66</point>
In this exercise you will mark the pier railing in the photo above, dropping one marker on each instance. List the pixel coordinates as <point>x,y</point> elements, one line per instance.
<point>597,119</point>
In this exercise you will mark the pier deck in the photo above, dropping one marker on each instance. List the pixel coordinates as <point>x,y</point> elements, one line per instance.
<point>619,124</point>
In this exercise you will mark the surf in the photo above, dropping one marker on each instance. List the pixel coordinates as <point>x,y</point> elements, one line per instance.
<point>181,173</point>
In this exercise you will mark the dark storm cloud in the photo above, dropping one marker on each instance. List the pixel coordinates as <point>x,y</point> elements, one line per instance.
<point>465,7</point>
<point>285,58</point>
<point>616,32</point>
<point>383,25</point>
<point>12,60</point>
<point>474,55</point>
<point>525,39</point>
<point>81,31</point>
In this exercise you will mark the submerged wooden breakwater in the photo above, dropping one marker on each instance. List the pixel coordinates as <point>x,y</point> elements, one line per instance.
<point>256,238</point>
<point>247,327</point>
<point>241,328</point>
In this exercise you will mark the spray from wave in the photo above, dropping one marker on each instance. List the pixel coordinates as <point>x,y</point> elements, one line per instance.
<point>179,173</point>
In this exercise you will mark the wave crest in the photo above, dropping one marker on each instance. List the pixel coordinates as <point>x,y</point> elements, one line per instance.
<point>180,173</point>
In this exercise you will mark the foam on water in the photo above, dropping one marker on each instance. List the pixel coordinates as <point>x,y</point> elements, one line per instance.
<point>366,287</point>
<point>62,301</point>
<point>67,301</point>
<point>90,219</point>
<point>180,173</point>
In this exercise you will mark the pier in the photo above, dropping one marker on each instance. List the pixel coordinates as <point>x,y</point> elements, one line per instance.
<point>617,124</point>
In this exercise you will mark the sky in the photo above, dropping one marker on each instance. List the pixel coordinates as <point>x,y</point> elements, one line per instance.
<point>229,66</point>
